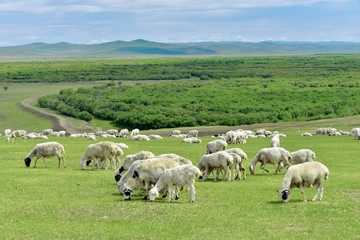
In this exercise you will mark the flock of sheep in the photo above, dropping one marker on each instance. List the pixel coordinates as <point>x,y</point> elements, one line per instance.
<point>167,174</point>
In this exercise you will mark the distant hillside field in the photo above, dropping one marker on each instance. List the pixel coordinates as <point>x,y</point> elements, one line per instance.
<point>142,48</point>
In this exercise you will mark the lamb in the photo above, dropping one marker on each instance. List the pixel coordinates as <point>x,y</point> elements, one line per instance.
<point>146,172</point>
<point>272,155</point>
<point>129,159</point>
<point>215,146</point>
<point>46,150</point>
<point>302,155</point>
<point>99,152</point>
<point>303,175</point>
<point>178,177</point>
<point>275,141</point>
<point>219,159</point>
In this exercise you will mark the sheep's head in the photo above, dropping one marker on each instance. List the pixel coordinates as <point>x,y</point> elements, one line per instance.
<point>88,162</point>
<point>27,162</point>
<point>153,193</point>
<point>127,194</point>
<point>251,169</point>
<point>285,195</point>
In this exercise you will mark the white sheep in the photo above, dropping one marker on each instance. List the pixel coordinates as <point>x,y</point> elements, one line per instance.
<point>215,146</point>
<point>220,159</point>
<point>237,151</point>
<point>140,137</point>
<point>191,140</point>
<point>306,134</point>
<point>238,167</point>
<point>124,133</point>
<point>134,132</point>
<point>178,177</point>
<point>302,155</point>
<point>155,136</point>
<point>272,155</point>
<point>175,132</point>
<point>356,133</point>
<point>192,133</point>
<point>46,150</point>
<point>275,141</point>
<point>122,146</point>
<point>145,172</point>
<point>101,151</point>
<point>129,159</point>
<point>302,175</point>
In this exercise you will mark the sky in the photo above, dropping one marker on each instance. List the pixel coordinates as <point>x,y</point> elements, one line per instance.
<point>177,21</point>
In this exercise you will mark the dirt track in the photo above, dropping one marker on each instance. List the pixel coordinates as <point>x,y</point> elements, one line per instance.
<point>58,122</point>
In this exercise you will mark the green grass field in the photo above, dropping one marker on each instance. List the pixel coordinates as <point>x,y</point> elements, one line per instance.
<point>53,203</point>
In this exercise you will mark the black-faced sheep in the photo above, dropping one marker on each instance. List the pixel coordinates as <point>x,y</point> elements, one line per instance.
<point>272,155</point>
<point>302,175</point>
<point>129,159</point>
<point>46,150</point>
<point>302,155</point>
<point>146,172</point>
<point>98,152</point>
<point>176,177</point>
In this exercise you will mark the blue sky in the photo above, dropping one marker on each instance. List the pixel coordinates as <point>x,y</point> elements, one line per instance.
<point>97,21</point>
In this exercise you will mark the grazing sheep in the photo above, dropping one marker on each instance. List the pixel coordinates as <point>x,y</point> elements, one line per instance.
<point>175,133</point>
<point>215,146</point>
<point>275,141</point>
<point>220,159</point>
<point>145,172</point>
<point>178,177</point>
<point>272,155</point>
<point>192,133</point>
<point>124,133</point>
<point>129,159</point>
<point>101,151</point>
<point>134,132</point>
<point>302,155</point>
<point>191,140</point>
<point>47,132</point>
<point>230,137</point>
<point>46,150</point>
<point>302,175</point>
<point>17,133</point>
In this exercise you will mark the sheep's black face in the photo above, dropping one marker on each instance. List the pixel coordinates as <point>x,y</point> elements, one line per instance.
<point>27,162</point>
<point>127,194</point>
<point>88,162</point>
<point>117,177</point>
<point>285,195</point>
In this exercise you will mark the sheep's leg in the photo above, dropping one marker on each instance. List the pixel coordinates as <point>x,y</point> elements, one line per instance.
<point>35,162</point>
<point>262,166</point>
<point>303,193</point>
<point>146,190</point>
<point>63,161</point>
<point>238,177</point>
<point>170,192</point>
<point>177,192</point>
<point>227,174</point>
<point>319,191</point>
<point>44,161</point>
<point>192,192</point>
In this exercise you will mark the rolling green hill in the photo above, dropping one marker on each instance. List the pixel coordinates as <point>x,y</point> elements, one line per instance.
<point>141,47</point>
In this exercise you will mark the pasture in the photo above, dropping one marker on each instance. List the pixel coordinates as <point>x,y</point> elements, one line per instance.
<point>53,203</point>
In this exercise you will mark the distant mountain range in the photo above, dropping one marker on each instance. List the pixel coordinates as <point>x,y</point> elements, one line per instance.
<point>141,47</point>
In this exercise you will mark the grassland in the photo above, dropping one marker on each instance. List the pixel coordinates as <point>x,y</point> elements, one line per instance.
<point>69,203</point>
